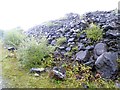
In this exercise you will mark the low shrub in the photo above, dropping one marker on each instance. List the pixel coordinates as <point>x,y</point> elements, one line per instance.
<point>33,54</point>
<point>13,37</point>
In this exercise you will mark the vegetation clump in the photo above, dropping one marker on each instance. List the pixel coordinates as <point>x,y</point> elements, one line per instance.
<point>60,41</point>
<point>13,37</point>
<point>33,54</point>
<point>94,33</point>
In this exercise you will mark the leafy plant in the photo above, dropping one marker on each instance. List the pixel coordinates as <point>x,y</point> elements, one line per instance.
<point>33,54</point>
<point>94,33</point>
<point>13,37</point>
<point>75,48</point>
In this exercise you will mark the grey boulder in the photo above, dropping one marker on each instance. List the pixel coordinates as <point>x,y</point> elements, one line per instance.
<point>59,73</point>
<point>82,56</point>
<point>106,64</point>
<point>99,49</point>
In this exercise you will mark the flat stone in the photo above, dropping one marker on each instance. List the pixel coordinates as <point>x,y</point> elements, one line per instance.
<point>107,27</point>
<point>37,70</point>
<point>68,49</point>
<point>112,33</point>
<point>53,42</point>
<point>61,47</point>
<point>59,73</point>
<point>81,46</point>
<point>82,56</point>
<point>11,48</point>
<point>36,75</point>
<point>99,49</point>
<point>89,48</point>
<point>82,36</point>
<point>71,39</point>
<point>107,65</point>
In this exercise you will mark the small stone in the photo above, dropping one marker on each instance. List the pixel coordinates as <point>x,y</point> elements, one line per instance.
<point>117,84</point>
<point>99,49</point>
<point>112,33</point>
<point>81,46</point>
<point>71,39</point>
<point>61,47</point>
<point>68,49</point>
<point>11,49</point>
<point>82,36</point>
<point>90,48</point>
<point>107,27</point>
<point>82,56</point>
<point>37,70</point>
<point>36,75</point>
<point>53,42</point>
<point>90,63</point>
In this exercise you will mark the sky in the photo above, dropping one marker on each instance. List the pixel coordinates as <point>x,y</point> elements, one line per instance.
<point>29,13</point>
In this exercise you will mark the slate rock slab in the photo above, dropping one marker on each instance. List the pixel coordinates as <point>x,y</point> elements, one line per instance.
<point>112,34</point>
<point>82,56</point>
<point>59,73</point>
<point>106,64</point>
<point>99,49</point>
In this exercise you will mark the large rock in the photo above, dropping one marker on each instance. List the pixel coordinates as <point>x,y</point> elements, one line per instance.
<point>99,49</point>
<point>82,56</point>
<point>106,64</point>
<point>58,73</point>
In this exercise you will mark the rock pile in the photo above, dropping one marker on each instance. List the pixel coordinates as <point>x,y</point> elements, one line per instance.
<point>102,55</point>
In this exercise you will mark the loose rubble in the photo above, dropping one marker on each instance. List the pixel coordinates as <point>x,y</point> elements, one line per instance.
<point>102,54</point>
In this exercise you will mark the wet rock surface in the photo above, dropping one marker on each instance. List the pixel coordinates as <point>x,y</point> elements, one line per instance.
<point>70,27</point>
